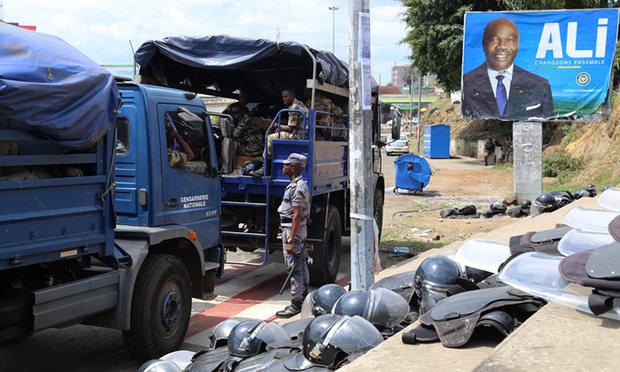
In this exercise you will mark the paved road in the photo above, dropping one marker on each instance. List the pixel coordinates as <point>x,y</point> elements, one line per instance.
<point>244,292</point>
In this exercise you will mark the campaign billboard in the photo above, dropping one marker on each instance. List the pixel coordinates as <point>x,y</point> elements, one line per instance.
<point>538,65</point>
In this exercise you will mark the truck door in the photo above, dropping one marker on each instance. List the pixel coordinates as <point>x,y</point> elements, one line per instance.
<point>190,185</point>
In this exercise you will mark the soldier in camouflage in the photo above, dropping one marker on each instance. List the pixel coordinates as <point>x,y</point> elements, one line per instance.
<point>248,136</point>
<point>292,130</point>
<point>326,122</point>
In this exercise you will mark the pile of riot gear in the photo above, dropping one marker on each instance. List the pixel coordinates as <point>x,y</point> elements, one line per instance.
<point>336,327</point>
<point>484,290</point>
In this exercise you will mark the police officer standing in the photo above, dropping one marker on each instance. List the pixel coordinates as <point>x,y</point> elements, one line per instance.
<point>294,212</point>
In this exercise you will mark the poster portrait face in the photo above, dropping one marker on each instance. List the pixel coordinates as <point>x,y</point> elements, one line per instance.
<point>538,65</point>
<point>500,43</point>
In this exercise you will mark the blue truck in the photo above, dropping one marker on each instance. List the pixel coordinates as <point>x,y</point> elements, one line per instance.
<point>223,66</point>
<point>96,226</point>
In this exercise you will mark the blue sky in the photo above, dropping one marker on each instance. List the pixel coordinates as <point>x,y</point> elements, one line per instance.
<point>102,29</point>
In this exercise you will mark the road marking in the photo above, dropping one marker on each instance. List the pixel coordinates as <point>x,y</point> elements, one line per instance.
<point>249,304</point>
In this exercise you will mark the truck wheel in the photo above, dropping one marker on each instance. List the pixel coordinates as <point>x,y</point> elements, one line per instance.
<point>160,309</point>
<point>378,213</point>
<point>326,255</point>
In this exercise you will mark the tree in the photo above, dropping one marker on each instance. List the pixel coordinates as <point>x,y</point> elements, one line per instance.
<point>436,30</point>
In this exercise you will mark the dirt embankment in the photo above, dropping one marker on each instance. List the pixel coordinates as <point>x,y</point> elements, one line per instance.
<point>598,143</point>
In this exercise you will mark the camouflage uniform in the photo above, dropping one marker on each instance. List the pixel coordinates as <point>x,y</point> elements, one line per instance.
<point>324,104</point>
<point>248,136</point>
<point>295,120</point>
<point>296,194</point>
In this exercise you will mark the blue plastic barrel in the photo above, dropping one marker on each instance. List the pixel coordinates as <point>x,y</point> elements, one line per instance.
<point>412,172</point>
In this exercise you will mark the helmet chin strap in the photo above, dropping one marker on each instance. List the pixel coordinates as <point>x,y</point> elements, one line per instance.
<point>245,343</point>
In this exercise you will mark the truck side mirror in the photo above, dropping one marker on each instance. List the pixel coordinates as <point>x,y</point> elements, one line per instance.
<point>395,125</point>
<point>190,119</point>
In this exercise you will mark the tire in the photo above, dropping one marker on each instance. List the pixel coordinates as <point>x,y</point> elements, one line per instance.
<point>378,210</point>
<point>326,256</point>
<point>160,309</point>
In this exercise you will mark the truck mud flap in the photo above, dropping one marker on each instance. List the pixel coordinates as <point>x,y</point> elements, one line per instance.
<point>75,300</point>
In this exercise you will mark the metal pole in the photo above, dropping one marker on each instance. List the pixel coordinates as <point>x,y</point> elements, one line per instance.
<point>419,108</point>
<point>333,9</point>
<point>410,100</point>
<point>360,135</point>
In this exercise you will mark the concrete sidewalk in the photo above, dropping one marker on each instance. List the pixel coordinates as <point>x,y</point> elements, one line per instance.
<point>555,338</point>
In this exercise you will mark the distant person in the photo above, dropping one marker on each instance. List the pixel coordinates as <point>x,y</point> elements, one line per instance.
<point>334,120</point>
<point>238,109</point>
<point>489,151</point>
<point>500,89</point>
<point>292,130</point>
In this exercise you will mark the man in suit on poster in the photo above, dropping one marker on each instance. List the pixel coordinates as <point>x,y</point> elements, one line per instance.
<point>500,89</point>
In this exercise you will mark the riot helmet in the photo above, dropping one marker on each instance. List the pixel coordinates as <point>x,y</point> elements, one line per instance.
<point>526,203</point>
<point>330,338</point>
<point>591,189</point>
<point>581,194</point>
<point>497,206</point>
<point>435,276</point>
<point>156,365</point>
<point>252,337</point>
<point>544,202</point>
<point>250,166</point>
<point>219,334</point>
<point>381,307</point>
<point>322,300</point>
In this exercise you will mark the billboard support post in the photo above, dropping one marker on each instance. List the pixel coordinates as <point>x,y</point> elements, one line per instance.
<point>527,158</point>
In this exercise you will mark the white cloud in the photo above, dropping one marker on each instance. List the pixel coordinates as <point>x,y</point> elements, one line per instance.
<point>102,29</point>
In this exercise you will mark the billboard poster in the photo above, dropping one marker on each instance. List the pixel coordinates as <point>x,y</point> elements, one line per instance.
<point>538,65</point>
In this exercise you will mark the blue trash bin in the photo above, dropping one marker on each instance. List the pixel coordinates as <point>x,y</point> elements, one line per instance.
<point>412,173</point>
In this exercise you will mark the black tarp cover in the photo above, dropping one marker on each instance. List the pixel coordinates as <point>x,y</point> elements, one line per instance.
<point>48,85</point>
<point>224,63</point>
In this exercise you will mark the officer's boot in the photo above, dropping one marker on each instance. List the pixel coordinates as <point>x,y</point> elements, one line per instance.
<point>291,310</point>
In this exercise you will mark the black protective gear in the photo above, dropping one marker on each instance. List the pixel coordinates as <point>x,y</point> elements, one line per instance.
<point>156,365</point>
<point>219,335</point>
<point>546,199</point>
<point>330,338</point>
<point>321,301</point>
<point>476,275</point>
<point>250,166</point>
<point>253,337</point>
<point>497,206</point>
<point>435,276</point>
<point>501,321</point>
<point>526,204</point>
<point>591,189</point>
<point>381,307</point>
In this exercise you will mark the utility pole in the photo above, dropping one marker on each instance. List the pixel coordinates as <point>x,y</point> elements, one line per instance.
<point>410,100</point>
<point>333,9</point>
<point>419,108</point>
<point>360,143</point>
